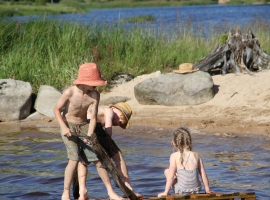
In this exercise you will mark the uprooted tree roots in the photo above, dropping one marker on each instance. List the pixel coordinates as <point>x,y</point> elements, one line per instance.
<point>240,53</point>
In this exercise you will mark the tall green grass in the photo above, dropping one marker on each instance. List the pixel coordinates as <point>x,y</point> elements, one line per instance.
<point>46,52</point>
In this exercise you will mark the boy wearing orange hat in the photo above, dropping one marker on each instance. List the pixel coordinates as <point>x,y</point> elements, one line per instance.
<point>71,114</point>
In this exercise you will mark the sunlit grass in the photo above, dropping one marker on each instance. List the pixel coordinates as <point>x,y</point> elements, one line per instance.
<point>9,10</point>
<point>47,52</point>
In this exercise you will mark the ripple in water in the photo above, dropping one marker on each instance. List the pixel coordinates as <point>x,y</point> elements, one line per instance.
<point>33,162</point>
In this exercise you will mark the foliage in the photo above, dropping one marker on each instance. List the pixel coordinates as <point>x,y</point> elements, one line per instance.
<point>22,10</point>
<point>240,2</point>
<point>139,18</point>
<point>223,38</point>
<point>46,52</point>
<point>33,7</point>
<point>40,2</point>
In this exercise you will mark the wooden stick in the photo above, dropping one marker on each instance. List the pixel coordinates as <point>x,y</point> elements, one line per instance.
<point>107,164</point>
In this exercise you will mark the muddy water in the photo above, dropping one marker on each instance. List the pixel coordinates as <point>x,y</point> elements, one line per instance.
<point>32,162</point>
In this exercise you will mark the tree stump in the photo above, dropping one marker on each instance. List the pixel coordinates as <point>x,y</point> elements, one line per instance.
<point>240,53</point>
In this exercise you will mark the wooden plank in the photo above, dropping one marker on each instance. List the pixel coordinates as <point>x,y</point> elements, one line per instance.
<point>214,196</point>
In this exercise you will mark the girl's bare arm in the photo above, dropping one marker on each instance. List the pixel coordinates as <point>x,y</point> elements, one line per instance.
<point>170,176</point>
<point>204,176</point>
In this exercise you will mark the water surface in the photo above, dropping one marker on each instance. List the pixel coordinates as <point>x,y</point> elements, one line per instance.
<point>172,19</point>
<point>32,162</point>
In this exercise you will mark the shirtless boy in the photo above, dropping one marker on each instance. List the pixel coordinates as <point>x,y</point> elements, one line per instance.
<point>74,103</point>
<point>115,115</point>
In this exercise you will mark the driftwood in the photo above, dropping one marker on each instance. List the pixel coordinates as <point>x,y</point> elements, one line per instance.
<point>240,53</point>
<point>107,164</point>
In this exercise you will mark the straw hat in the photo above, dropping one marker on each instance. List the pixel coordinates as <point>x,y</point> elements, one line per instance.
<point>89,74</point>
<point>185,68</point>
<point>126,110</point>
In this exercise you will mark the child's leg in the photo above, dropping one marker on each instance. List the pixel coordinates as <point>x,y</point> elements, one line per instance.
<point>106,180</point>
<point>69,171</point>
<point>72,154</point>
<point>82,175</point>
<point>122,170</point>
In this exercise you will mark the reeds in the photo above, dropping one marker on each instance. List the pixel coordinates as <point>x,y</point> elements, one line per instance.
<point>49,52</point>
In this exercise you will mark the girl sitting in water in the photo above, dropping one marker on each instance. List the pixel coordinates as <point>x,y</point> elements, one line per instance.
<point>185,167</point>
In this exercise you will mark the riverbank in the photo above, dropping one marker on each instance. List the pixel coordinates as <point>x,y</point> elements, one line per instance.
<point>241,105</point>
<point>21,8</point>
<point>114,48</point>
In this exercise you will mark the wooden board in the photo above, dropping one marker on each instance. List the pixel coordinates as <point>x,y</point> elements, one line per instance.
<point>214,196</point>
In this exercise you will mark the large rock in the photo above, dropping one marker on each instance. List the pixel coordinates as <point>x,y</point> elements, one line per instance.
<point>113,100</point>
<point>175,89</point>
<point>46,100</point>
<point>15,99</point>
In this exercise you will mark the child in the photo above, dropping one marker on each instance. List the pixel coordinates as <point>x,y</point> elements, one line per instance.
<point>115,115</point>
<point>185,167</point>
<point>74,103</point>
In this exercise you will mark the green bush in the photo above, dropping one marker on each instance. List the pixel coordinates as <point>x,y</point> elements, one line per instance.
<point>40,2</point>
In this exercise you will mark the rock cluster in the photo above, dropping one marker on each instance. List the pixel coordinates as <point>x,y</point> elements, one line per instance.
<point>17,100</point>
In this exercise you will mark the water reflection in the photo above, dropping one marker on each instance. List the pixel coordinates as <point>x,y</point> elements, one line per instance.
<point>33,161</point>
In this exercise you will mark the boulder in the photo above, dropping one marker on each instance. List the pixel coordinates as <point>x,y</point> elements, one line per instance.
<point>113,100</point>
<point>35,116</point>
<point>47,98</point>
<point>176,89</point>
<point>15,99</point>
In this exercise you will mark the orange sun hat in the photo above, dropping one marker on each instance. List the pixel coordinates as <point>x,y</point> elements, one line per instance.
<point>89,74</point>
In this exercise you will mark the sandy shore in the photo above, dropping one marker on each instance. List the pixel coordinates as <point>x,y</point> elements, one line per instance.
<point>241,105</point>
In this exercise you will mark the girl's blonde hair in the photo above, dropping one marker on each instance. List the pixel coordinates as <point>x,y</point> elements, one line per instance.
<point>182,139</point>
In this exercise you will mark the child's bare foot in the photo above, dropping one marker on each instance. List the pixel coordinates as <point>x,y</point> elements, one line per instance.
<point>83,196</point>
<point>114,196</point>
<point>65,196</point>
<point>140,196</point>
<point>126,181</point>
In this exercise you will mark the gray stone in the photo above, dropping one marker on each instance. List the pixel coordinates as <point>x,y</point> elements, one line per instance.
<point>176,89</point>
<point>120,77</point>
<point>46,100</point>
<point>15,99</point>
<point>113,100</point>
<point>35,116</point>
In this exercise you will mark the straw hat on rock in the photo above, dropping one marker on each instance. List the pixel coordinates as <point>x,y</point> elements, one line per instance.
<point>89,74</point>
<point>185,68</point>
<point>126,110</point>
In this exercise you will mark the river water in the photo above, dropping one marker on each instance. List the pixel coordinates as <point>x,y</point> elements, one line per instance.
<point>220,18</point>
<point>32,162</point>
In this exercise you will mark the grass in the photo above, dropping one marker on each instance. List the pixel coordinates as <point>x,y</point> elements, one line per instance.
<point>142,18</point>
<point>45,52</point>
<point>27,8</point>
<point>9,10</point>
